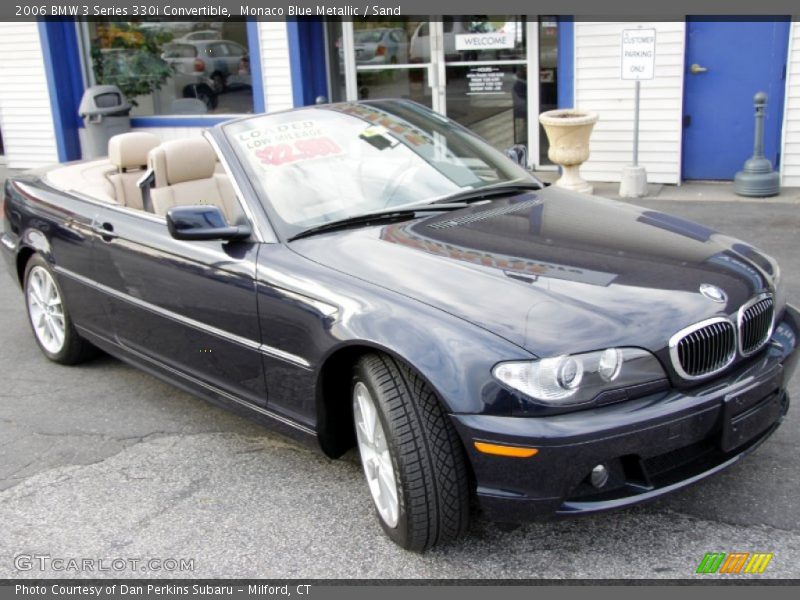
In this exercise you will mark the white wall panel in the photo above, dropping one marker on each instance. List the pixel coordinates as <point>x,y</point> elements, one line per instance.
<point>790,151</point>
<point>598,87</point>
<point>25,115</point>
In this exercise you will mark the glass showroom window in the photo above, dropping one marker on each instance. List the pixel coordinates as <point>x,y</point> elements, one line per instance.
<point>173,68</point>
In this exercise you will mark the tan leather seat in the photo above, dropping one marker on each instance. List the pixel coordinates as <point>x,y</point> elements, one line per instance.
<point>185,174</point>
<point>128,152</point>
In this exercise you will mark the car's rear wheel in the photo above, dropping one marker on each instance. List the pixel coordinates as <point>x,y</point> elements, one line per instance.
<point>49,317</point>
<point>411,454</point>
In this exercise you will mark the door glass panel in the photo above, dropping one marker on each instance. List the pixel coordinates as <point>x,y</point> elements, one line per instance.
<point>411,83</point>
<point>484,38</point>
<point>336,81</point>
<point>396,42</point>
<point>491,100</point>
<point>548,77</point>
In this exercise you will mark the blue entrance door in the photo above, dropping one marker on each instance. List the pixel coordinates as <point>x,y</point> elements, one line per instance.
<point>727,62</point>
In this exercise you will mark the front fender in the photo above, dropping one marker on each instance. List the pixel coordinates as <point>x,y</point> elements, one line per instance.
<point>316,313</point>
<point>454,357</point>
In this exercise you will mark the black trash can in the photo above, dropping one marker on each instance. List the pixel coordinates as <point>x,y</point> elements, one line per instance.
<point>105,112</point>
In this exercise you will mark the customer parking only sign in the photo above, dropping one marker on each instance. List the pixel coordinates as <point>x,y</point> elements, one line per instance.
<point>638,53</point>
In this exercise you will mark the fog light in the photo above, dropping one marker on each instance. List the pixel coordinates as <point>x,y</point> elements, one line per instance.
<point>599,476</point>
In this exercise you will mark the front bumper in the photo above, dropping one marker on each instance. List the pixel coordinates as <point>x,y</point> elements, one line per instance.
<point>650,446</point>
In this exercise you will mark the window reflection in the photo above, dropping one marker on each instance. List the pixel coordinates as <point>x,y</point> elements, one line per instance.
<point>167,68</point>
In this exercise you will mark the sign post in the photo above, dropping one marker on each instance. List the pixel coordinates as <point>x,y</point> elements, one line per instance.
<point>638,63</point>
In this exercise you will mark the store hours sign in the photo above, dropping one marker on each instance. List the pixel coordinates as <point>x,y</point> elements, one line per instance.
<point>638,54</point>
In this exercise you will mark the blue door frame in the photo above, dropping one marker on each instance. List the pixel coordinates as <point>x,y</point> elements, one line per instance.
<point>62,69</point>
<point>306,39</point>
<point>742,57</point>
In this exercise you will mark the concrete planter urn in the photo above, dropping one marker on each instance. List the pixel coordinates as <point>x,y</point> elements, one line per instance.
<point>568,131</point>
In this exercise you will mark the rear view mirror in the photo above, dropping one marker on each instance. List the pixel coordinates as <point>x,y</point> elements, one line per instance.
<point>203,222</point>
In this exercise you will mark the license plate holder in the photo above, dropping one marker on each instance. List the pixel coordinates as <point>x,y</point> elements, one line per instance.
<point>749,412</point>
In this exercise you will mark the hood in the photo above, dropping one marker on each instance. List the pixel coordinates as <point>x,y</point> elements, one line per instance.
<point>554,271</point>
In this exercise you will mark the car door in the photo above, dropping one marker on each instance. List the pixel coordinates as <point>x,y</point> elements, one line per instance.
<point>71,238</point>
<point>184,305</point>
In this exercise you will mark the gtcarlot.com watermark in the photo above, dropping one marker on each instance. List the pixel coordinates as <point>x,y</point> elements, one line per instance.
<point>62,564</point>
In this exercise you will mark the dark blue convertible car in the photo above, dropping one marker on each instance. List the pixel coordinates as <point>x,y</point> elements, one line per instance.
<point>374,275</point>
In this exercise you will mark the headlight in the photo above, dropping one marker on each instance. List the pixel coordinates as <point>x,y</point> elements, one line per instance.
<point>580,378</point>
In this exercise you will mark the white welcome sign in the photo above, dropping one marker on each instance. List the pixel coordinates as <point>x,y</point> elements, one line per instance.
<point>484,41</point>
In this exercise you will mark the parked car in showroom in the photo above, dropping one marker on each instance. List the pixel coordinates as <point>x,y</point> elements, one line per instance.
<point>374,275</point>
<point>189,73</point>
<point>384,46</point>
<point>214,60</point>
<point>201,35</point>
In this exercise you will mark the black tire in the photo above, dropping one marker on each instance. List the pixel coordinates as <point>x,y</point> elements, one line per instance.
<point>220,82</point>
<point>75,349</point>
<point>427,456</point>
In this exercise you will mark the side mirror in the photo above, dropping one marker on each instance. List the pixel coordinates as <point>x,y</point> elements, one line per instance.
<point>203,222</point>
<point>519,154</point>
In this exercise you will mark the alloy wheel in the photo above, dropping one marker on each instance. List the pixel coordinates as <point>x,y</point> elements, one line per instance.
<point>46,310</point>
<point>375,456</point>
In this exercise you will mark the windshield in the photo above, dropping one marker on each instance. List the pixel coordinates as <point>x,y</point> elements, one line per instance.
<point>317,165</point>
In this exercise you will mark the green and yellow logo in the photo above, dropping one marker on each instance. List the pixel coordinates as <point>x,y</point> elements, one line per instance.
<point>734,563</point>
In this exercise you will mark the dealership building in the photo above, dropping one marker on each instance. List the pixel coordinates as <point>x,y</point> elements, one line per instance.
<point>494,74</point>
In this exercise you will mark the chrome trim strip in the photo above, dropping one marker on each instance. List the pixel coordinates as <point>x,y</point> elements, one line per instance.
<point>212,388</point>
<point>8,242</point>
<point>238,190</point>
<point>220,333</point>
<point>740,315</point>
<point>283,355</point>
<point>677,337</point>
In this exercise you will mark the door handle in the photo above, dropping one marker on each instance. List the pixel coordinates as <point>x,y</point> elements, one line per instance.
<point>105,231</point>
<point>697,69</point>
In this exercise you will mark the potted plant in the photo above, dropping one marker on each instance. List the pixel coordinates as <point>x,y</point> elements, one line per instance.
<point>568,131</point>
<point>128,56</point>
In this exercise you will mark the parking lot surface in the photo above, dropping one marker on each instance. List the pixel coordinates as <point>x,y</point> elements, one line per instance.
<point>103,461</point>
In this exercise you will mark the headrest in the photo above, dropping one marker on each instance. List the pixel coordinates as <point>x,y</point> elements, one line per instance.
<point>130,150</point>
<point>183,160</point>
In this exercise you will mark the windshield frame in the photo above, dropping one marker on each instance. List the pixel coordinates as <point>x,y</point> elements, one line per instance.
<point>285,231</point>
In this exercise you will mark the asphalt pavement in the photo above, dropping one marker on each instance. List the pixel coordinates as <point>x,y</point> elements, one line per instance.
<point>105,462</point>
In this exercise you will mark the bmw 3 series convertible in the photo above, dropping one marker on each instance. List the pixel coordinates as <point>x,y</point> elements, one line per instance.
<point>373,275</point>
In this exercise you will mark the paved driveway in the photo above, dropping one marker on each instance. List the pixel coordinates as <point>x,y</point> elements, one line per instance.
<point>104,462</point>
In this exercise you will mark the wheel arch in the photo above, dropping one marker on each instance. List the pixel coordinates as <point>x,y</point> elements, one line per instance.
<point>335,375</point>
<point>23,256</point>
<point>31,242</point>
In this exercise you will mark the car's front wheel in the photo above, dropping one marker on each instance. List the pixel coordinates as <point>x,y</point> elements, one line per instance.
<point>218,83</point>
<point>411,454</point>
<point>49,317</point>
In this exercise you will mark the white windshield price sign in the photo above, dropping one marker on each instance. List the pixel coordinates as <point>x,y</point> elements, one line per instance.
<point>638,53</point>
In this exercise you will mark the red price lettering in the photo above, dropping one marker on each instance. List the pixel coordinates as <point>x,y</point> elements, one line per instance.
<point>280,154</point>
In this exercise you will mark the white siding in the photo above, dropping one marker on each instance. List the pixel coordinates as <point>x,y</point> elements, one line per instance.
<point>598,87</point>
<point>790,153</point>
<point>25,114</point>
<point>275,66</point>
